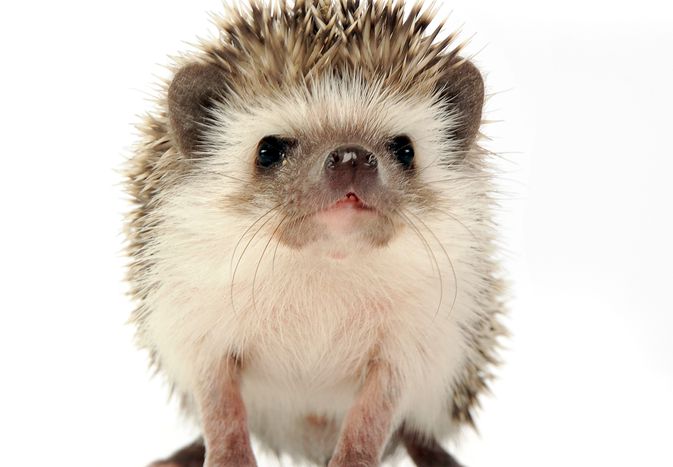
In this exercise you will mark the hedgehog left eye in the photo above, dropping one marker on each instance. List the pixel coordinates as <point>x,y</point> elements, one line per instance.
<point>272,150</point>
<point>403,150</point>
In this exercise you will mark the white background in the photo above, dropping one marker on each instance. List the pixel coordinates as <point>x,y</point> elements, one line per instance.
<point>585,101</point>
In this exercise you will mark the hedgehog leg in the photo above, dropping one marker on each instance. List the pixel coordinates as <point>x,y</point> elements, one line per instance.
<point>193,455</point>
<point>427,453</point>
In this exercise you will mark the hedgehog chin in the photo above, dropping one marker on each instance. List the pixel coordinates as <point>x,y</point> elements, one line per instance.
<point>353,241</point>
<point>345,217</point>
<point>344,249</point>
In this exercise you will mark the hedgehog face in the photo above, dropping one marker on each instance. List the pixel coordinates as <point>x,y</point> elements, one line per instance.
<point>341,160</point>
<point>326,140</point>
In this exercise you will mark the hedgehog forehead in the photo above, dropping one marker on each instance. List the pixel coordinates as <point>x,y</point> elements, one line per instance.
<point>335,110</point>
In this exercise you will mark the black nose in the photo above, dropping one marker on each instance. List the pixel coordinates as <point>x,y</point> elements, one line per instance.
<point>351,165</point>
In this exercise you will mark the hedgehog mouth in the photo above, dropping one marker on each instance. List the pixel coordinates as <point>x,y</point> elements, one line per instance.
<point>350,201</point>
<point>343,224</point>
<point>346,214</point>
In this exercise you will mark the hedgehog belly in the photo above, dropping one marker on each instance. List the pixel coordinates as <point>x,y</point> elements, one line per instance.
<point>306,430</point>
<point>301,433</point>
<point>296,402</point>
<point>297,395</point>
<point>304,421</point>
<point>311,438</point>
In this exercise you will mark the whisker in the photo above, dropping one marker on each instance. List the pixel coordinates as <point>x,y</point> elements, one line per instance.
<point>453,269</point>
<point>233,275</point>
<point>455,218</point>
<point>459,178</point>
<point>431,254</point>
<point>261,257</point>
<point>233,253</point>
<point>275,250</point>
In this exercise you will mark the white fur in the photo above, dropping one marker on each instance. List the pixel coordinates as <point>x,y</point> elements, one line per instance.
<point>314,321</point>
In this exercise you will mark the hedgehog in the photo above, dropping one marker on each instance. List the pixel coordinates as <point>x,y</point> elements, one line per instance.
<point>312,247</point>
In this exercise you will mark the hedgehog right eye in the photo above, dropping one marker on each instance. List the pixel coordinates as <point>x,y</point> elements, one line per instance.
<point>271,151</point>
<point>403,150</point>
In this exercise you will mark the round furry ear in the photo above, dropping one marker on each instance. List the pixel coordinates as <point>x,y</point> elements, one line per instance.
<point>191,96</point>
<point>461,88</point>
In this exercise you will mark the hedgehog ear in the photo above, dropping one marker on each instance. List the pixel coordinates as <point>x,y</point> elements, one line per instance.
<point>461,88</point>
<point>191,97</point>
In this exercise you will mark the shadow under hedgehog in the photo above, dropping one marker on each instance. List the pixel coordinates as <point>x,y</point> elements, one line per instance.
<point>312,241</point>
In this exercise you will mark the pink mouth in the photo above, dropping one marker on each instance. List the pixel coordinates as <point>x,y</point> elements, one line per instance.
<point>350,201</point>
<point>345,214</point>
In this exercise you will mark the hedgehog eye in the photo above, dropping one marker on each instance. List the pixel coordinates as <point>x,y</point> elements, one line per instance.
<point>272,150</point>
<point>403,150</point>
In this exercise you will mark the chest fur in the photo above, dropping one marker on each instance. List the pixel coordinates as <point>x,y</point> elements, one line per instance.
<point>311,323</point>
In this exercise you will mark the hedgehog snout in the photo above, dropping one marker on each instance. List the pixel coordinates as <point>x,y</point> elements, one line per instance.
<point>350,168</point>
